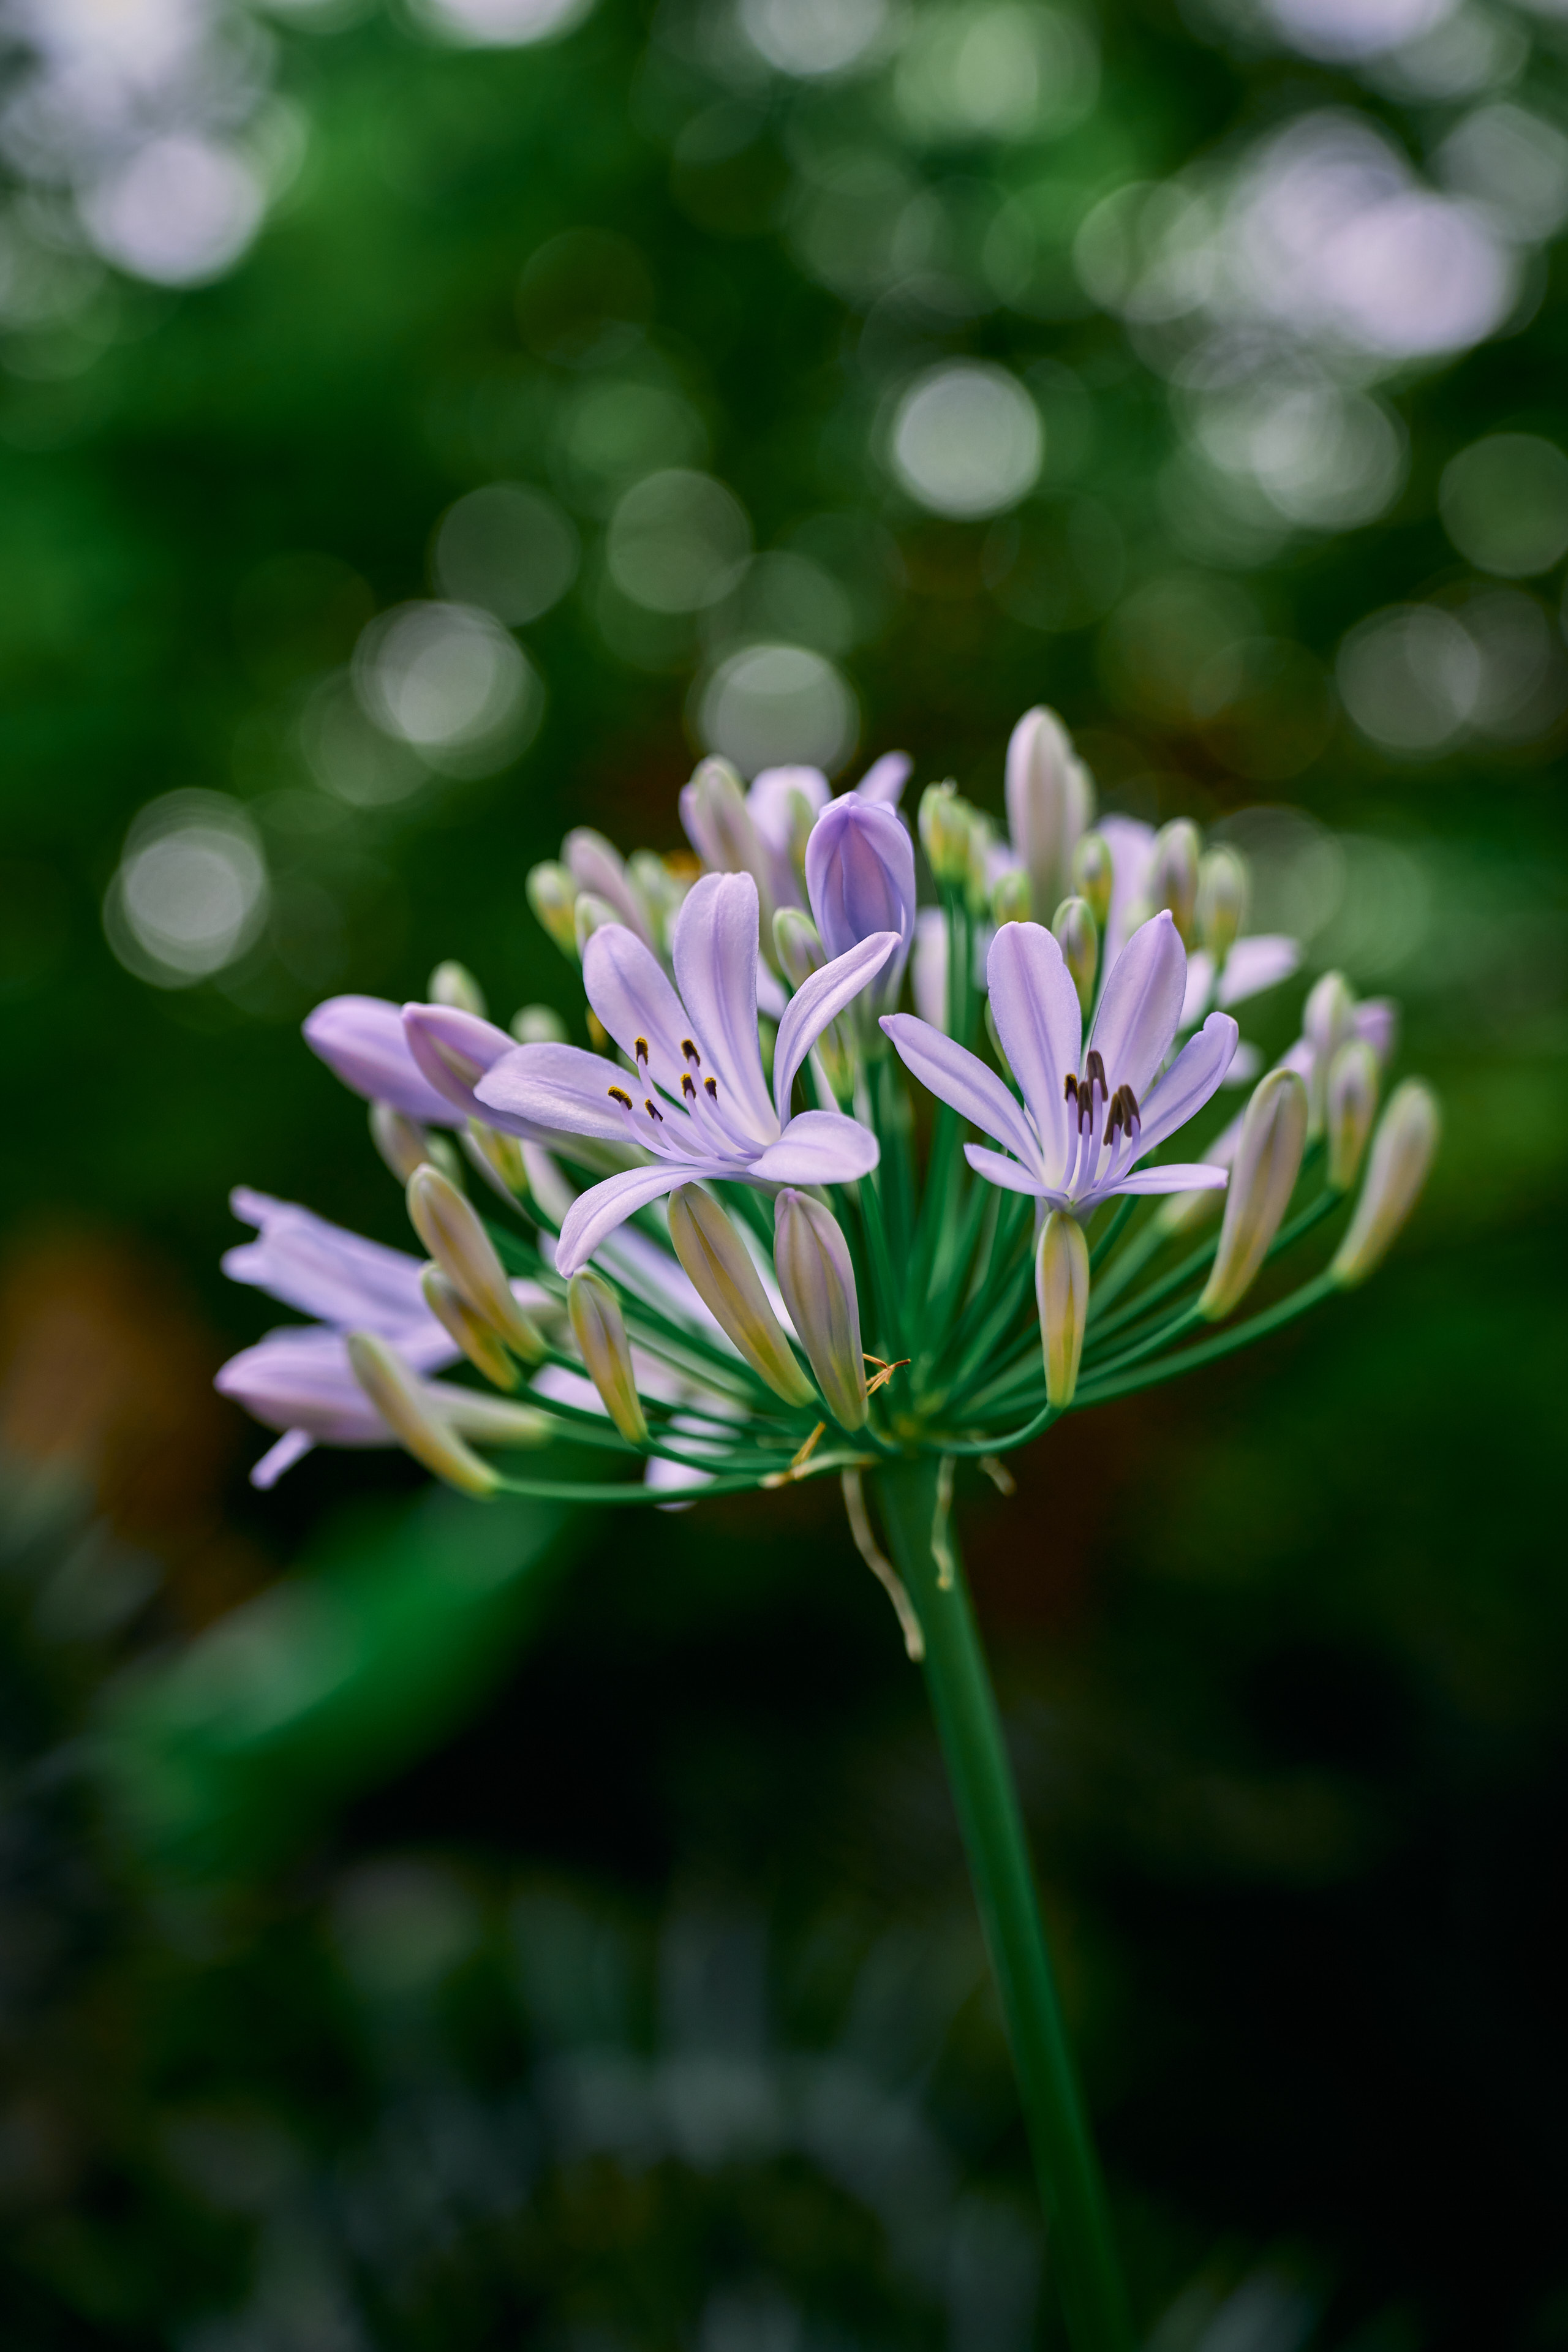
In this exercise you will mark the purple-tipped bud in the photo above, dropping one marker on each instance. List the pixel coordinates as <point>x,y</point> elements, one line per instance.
<point>1093,875</point>
<point>1402,1152</point>
<point>446,1224</point>
<point>721,1271</point>
<point>1327,1019</point>
<point>403,1404</point>
<point>1262,1179</point>
<point>552,894</point>
<point>1049,802</point>
<point>811,1258</point>
<point>1061,1292</point>
<point>453,1050</point>
<point>721,829</point>
<point>470,1331</point>
<point>362,1041</point>
<point>453,983</point>
<point>1074,929</point>
<point>860,879</point>
<point>595,865</point>
<point>1350,1107</point>
<point>601,1336</point>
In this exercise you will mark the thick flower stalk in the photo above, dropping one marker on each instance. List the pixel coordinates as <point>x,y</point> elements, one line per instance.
<point>768,1222</point>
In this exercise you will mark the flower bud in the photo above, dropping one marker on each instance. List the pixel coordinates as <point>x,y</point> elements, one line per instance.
<point>401,1141</point>
<point>661,890</point>
<point>1262,1179</point>
<point>1328,1019</point>
<point>552,894</point>
<point>475,1338</point>
<point>453,983</point>
<point>452,1233</point>
<point>1350,1107</point>
<point>454,1049</point>
<point>860,879</point>
<point>1073,927</point>
<point>945,833</point>
<point>1402,1152</point>
<point>1221,906</point>
<point>1173,873</point>
<point>405,1405</point>
<point>1061,1289</point>
<point>798,946</point>
<point>495,1421</point>
<point>363,1041</point>
<point>1047,798</point>
<point>720,828</point>
<point>721,1271</point>
<point>811,1258</point>
<point>596,865</point>
<point>1012,900</point>
<point>589,915</point>
<point>977,883</point>
<point>601,1334</point>
<point>538,1024</point>
<point>1093,874</point>
<point>497,1157</point>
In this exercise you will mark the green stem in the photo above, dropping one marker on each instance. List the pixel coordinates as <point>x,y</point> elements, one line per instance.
<point>992,1824</point>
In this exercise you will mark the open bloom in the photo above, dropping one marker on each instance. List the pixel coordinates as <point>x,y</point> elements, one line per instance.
<point>1089,1114</point>
<point>694,1096</point>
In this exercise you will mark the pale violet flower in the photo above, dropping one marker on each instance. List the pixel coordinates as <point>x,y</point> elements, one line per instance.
<point>860,879</point>
<point>694,1096</point>
<point>362,1041</point>
<point>1253,964</point>
<point>1089,1114</point>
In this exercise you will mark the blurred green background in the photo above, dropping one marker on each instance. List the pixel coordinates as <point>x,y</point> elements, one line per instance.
<point>421,430</point>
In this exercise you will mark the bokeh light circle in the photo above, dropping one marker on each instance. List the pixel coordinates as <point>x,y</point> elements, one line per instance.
<point>967,440</point>
<point>509,549</point>
<point>678,540</point>
<point>180,211</point>
<point>1409,678</point>
<point>447,680</point>
<point>1504,504</point>
<point>191,893</point>
<point>776,705</point>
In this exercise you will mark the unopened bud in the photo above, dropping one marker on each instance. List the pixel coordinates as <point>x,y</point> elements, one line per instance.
<point>451,1232</point>
<point>498,1158</point>
<point>1074,929</point>
<point>495,1421</point>
<point>811,1258</point>
<point>721,1271</point>
<point>1221,906</point>
<point>798,945</point>
<point>977,883</point>
<point>598,865</point>
<point>589,915</point>
<point>401,1141</point>
<point>1402,1152</point>
<point>453,983</point>
<point>944,822</point>
<point>1049,802</point>
<point>1350,1107</point>
<point>538,1024</point>
<point>1327,1019</point>
<point>661,890</point>
<point>719,828</point>
<point>601,1335</point>
<point>1062,1290</point>
<point>405,1405</point>
<point>1262,1179</point>
<point>1012,900</point>
<point>1093,874</point>
<point>471,1334</point>
<point>1173,873</point>
<point>552,894</point>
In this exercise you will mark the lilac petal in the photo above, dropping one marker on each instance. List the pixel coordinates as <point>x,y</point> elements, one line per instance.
<point>772,996</point>
<point>361,1040</point>
<point>1191,1078</point>
<point>1245,1066</point>
<point>561,1088</point>
<point>1131,847</point>
<point>1377,1019</point>
<point>324,1270</point>
<point>929,979</point>
<point>301,1378</point>
<point>598,865</point>
<point>885,779</point>
<point>453,1050</point>
<point>818,1146</point>
<point>1256,964</point>
<point>998,1169</point>
<point>629,988</point>
<point>771,805</point>
<point>1041,1023</point>
<point>819,1000</point>
<point>860,873</point>
<point>1194,1176</point>
<point>715,952</point>
<point>1199,989</point>
<point>1141,1007</point>
<point>291,1447</point>
<point>596,1212</point>
<point>955,1075</point>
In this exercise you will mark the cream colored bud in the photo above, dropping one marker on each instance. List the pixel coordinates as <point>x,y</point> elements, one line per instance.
<point>400,1141</point>
<point>660,890</point>
<point>720,828</point>
<point>589,915</point>
<point>405,1404</point>
<point>944,822</point>
<point>1012,900</point>
<point>498,1158</point>
<point>1062,1290</point>
<point>722,1274</point>
<point>1049,800</point>
<point>1093,874</point>
<point>494,1420</point>
<point>538,1024</point>
<point>1327,1019</point>
<point>1350,1107</point>
<point>453,983</point>
<point>977,884</point>
<point>798,946</point>
<point>471,1334</point>
<point>552,894</point>
<point>1221,908</point>
<point>811,1258</point>
<point>1402,1152</point>
<point>601,1334</point>
<point>1173,873</point>
<point>1262,1179</point>
<point>1074,929</point>
<point>451,1232</point>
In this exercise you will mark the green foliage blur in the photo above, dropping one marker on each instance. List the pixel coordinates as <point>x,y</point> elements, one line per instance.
<point>424,1925</point>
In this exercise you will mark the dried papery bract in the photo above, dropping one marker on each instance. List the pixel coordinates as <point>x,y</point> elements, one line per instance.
<point>811,1259</point>
<point>721,1271</point>
<point>1262,1179</point>
<point>1350,1107</point>
<point>1402,1153</point>
<point>451,1231</point>
<point>1061,1293</point>
<point>601,1335</point>
<point>401,1401</point>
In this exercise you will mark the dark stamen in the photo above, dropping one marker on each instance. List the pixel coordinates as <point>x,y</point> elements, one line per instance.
<point>639,1046</point>
<point>1097,1071</point>
<point>711,1084</point>
<point>653,1110</point>
<point>617,1094</point>
<point>687,1089</point>
<point>691,1052</point>
<point>1071,1091</point>
<point>1129,1119</point>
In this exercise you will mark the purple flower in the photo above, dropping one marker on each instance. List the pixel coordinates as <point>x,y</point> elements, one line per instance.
<point>361,1040</point>
<point>452,1051</point>
<point>860,878</point>
<point>1084,1121</point>
<point>694,1097</point>
<point>1252,964</point>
